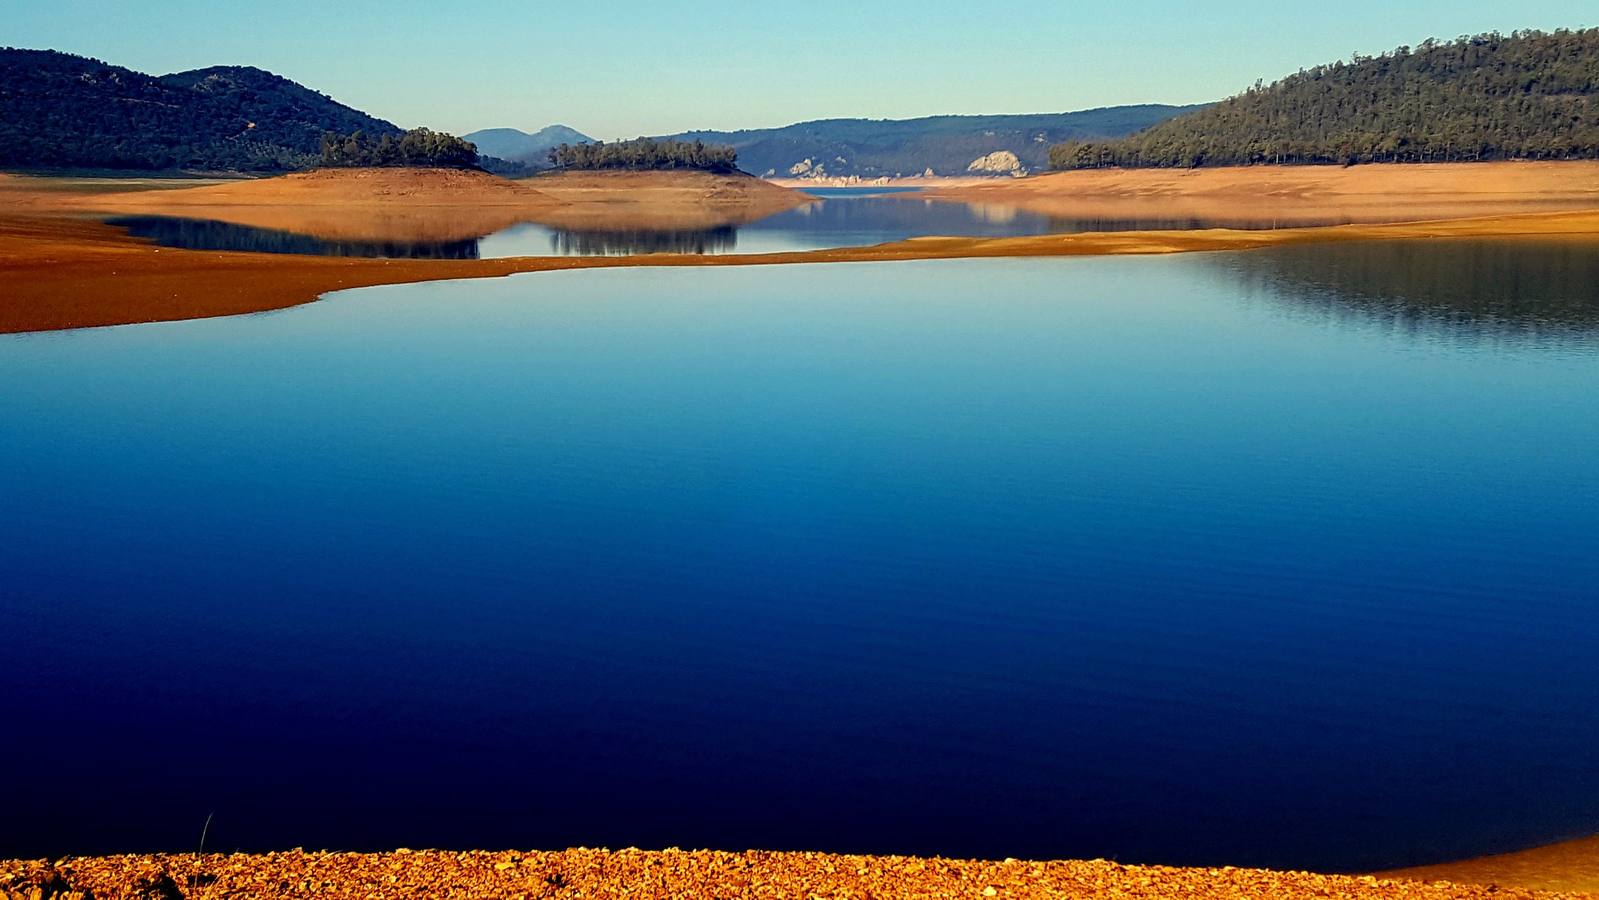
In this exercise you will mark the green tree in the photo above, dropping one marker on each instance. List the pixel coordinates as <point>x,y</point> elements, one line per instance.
<point>646,154</point>
<point>417,147</point>
<point>1528,95</point>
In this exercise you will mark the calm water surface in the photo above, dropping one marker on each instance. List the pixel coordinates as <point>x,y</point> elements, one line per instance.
<point>1276,558</point>
<point>844,217</point>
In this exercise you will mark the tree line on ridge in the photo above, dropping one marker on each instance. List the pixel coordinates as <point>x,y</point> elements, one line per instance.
<point>1527,95</point>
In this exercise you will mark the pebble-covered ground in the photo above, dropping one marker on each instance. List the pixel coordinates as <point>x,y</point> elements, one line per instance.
<point>673,873</point>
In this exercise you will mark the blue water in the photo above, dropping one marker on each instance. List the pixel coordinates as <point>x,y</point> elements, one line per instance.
<point>841,217</point>
<point>1271,558</point>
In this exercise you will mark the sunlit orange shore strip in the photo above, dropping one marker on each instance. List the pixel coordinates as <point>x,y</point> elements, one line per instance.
<point>58,273</point>
<point>1566,866</point>
<point>676,873</point>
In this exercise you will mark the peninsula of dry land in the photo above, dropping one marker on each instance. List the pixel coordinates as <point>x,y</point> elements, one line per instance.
<point>395,204</point>
<point>63,269</point>
<point>1257,196</point>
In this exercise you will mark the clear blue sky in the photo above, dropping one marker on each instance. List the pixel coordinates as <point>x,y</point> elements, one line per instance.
<point>620,69</point>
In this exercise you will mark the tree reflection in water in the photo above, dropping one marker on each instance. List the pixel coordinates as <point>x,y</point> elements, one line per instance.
<point>1513,289</point>
<point>629,242</point>
<point>204,234</point>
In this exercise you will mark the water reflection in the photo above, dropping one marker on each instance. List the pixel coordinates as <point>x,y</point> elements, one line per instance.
<point>628,242</point>
<point>1504,288</point>
<point>837,219</point>
<point>840,221</point>
<point>205,234</point>
<point>1468,288</point>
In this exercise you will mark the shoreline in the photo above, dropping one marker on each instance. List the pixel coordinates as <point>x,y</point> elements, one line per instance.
<point>1564,866</point>
<point>673,872</point>
<point>62,273</point>
<point>918,182</point>
<point>64,270</point>
<point>402,205</point>
<point>1296,195</point>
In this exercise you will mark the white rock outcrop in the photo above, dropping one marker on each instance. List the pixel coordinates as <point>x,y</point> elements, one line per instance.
<point>818,178</point>
<point>1000,162</point>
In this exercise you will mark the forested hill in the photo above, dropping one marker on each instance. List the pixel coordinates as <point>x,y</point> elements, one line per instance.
<point>1529,95</point>
<point>949,145</point>
<point>60,110</point>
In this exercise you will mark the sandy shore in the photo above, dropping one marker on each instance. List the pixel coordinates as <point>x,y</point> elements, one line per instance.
<point>659,201</point>
<point>1568,866</point>
<point>61,270</point>
<point>66,273</point>
<point>671,873</point>
<point>422,205</point>
<point>341,205</point>
<point>339,187</point>
<point>1253,196</point>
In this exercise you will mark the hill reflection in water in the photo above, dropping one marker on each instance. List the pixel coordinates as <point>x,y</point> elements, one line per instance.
<point>1449,288</point>
<point>831,222</point>
<point>205,234</point>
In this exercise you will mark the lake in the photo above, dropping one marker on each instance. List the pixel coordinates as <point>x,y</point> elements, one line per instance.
<point>841,217</point>
<point>1277,558</point>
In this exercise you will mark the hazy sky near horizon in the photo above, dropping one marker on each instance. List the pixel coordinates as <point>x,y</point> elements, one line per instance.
<point>623,69</point>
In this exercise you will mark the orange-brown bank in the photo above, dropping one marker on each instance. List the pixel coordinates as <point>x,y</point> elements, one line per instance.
<point>1568,866</point>
<point>60,272</point>
<point>1251,196</point>
<point>674,873</point>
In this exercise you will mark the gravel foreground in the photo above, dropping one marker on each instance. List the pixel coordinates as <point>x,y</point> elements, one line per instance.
<point>673,873</point>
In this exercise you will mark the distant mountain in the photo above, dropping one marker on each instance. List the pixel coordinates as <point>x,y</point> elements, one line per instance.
<point>521,147</point>
<point>61,110</point>
<point>1528,95</point>
<point>949,145</point>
